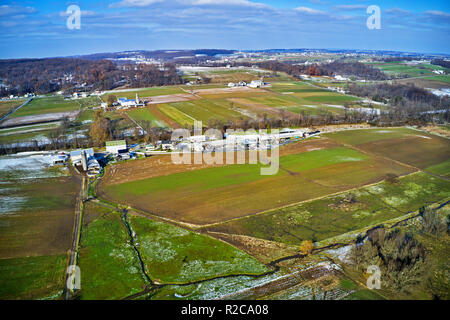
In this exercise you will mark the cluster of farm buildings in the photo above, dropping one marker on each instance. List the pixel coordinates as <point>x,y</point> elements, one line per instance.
<point>91,162</point>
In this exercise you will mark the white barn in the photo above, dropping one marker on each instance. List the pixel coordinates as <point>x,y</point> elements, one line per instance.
<point>115,146</point>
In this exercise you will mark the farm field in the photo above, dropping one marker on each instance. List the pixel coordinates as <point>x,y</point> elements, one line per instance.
<point>146,114</point>
<point>27,133</point>
<point>202,110</point>
<point>175,255</point>
<point>398,68</point>
<point>442,78</point>
<point>36,221</point>
<point>144,92</point>
<point>45,105</point>
<point>216,194</point>
<point>344,213</point>
<point>32,277</point>
<point>409,146</point>
<point>105,249</point>
<point>6,106</point>
<point>213,102</point>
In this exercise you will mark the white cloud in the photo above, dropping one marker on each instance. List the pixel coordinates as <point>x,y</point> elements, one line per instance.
<point>438,13</point>
<point>309,10</point>
<point>144,3</point>
<point>134,3</point>
<point>11,9</point>
<point>350,7</point>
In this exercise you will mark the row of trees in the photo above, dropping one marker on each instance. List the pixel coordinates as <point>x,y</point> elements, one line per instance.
<point>401,95</point>
<point>43,76</point>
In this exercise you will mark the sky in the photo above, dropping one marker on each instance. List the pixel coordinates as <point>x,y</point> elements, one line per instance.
<point>34,29</point>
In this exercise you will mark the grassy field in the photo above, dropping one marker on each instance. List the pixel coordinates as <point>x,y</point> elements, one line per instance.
<point>47,105</point>
<point>331,216</point>
<point>32,277</point>
<point>145,114</point>
<point>175,255</point>
<point>6,106</point>
<point>221,193</point>
<point>36,223</point>
<point>202,110</point>
<point>176,115</point>
<point>398,68</point>
<point>442,78</point>
<point>105,250</point>
<point>408,146</point>
<point>442,169</point>
<point>36,216</point>
<point>145,92</point>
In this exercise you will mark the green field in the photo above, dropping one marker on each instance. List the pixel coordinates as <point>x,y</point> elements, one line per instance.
<point>398,68</point>
<point>36,223</point>
<point>442,169</point>
<point>217,194</point>
<point>32,277</point>
<point>204,110</point>
<point>47,105</point>
<point>145,114</point>
<point>331,216</point>
<point>408,146</point>
<point>176,115</point>
<point>109,266</point>
<point>145,92</point>
<point>6,106</point>
<point>440,78</point>
<point>174,255</point>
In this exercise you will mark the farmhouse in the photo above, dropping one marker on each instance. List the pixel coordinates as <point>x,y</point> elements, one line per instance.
<point>258,83</point>
<point>131,103</point>
<point>115,146</point>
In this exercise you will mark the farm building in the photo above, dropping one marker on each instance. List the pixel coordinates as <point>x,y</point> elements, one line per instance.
<point>124,155</point>
<point>60,159</point>
<point>115,146</point>
<point>129,103</point>
<point>76,155</point>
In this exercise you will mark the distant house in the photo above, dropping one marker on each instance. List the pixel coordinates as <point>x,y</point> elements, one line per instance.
<point>104,105</point>
<point>130,103</point>
<point>115,146</point>
<point>258,83</point>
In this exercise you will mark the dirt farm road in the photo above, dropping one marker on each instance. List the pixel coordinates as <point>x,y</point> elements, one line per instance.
<point>73,253</point>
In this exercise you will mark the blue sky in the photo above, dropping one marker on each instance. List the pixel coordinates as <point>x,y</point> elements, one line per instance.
<point>38,28</point>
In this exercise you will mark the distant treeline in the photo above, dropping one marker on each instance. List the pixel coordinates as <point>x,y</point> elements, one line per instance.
<point>348,69</point>
<point>401,95</point>
<point>353,69</point>
<point>43,76</point>
<point>440,62</point>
